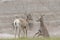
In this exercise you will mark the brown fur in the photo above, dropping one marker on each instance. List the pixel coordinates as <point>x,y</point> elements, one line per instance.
<point>23,25</point>
<point>43,29</point>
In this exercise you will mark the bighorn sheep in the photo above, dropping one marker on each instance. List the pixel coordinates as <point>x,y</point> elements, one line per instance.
<point>30,21</point>
<point>20,24</point>
<point>43,30</point>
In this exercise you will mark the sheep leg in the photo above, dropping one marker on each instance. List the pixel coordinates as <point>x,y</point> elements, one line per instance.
<point>19,31</point>
<point>36,34</point>
<point>15,31</point>
<point>26,32</point>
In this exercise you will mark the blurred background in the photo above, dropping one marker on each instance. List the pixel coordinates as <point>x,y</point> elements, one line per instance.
<point>50,8</point>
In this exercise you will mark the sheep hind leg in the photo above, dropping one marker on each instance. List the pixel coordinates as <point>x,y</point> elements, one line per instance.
<point>19,32</point>
<point>15,31</point>
<point>26,32</point>
<point>40,35</point>
<point>36,34</point>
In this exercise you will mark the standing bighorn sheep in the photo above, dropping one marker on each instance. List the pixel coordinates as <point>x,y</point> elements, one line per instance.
<point>20,24</point>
